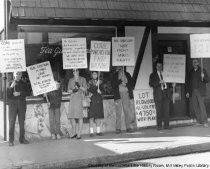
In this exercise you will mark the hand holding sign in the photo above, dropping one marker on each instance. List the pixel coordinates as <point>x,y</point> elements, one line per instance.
<point>202,76</point>
<point>99,91</point>
<point>16,93</point>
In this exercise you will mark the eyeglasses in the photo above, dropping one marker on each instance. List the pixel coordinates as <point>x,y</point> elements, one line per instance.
<point>75,70</point>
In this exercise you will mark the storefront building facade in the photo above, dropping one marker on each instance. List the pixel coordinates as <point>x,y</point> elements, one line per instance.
<point>159,27</point>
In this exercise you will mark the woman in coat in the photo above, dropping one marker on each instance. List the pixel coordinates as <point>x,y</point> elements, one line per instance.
<point>76,87</point>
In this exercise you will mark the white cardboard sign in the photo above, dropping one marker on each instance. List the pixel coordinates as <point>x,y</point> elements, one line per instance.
<point>12,55</point>
<point>144,108</point>
<point>200,45</point>
<point>100,56</point>
<point>174,68</point>
<point>41,78</point>
<point>123,51</point>
<point>74,53</point>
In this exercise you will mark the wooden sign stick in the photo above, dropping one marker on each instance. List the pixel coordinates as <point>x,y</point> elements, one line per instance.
<point>201,68</point>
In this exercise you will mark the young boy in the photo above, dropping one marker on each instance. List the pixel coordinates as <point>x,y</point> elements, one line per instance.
<point>54,98</point>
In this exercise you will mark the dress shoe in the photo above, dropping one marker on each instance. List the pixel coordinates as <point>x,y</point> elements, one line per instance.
<point>79,137</point>
<point>11,144</point>
<point>129,130</point>
<point>197,124</point>
<point>24,141</point>
<point>58,136</point>
<point>118,131</point>
<point>99,134</point>
<point>74,136</point>
<point>159,128</point>
<point>205,125</point>
<point>53,137</point>
<point>167,128</point>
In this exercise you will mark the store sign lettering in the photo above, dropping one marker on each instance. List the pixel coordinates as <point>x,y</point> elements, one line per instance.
<point>58,50</point>
<point>48,50</point>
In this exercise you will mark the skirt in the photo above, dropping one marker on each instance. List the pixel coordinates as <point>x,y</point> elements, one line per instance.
<point>96,107</point>
<point>75,106</point>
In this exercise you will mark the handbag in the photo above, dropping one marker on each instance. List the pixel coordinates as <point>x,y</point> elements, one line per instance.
<point>86,101</point>
<point>85,112</point>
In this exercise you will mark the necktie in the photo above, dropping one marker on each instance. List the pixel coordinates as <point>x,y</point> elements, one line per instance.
<point>163,85</point>
<point>161,77</point>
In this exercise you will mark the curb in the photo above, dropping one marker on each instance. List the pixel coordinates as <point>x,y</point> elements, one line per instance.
<point>110,161</point>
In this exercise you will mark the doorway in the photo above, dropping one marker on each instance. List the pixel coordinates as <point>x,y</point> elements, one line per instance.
<point>178,108</point>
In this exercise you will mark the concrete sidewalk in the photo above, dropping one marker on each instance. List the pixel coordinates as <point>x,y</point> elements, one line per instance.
<point>105,150</point>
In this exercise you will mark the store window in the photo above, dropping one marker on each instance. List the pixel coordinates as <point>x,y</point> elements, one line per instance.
<point>43,43</point>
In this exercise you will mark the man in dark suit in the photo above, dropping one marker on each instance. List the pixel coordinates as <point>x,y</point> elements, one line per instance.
<point>16,93</point>
<point>162,96</point>
<point>196,91</point>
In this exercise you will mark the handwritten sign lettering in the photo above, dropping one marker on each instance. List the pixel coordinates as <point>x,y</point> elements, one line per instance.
<point>200,45</point>
<point>100,56</point>
<point>74,53</point>
<point>174,68</point>
<point>145,108</point>
<point>12,55</point>
<point>41,78</point>
<point>123,53</point>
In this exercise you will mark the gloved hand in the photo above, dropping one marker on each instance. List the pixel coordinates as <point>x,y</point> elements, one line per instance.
<point>77,84</point>
<point>74,90</point>
<point>119,81</point>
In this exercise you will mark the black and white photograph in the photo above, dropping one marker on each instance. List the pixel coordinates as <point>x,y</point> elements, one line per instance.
<point>93,84</point>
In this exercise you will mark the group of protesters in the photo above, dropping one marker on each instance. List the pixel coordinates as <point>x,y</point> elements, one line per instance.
<point>123,96</point>
<point>77,88</point>
<point>196,82</point>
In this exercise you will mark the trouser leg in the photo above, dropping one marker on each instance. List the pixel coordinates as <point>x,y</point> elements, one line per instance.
<point>158,105</point>
<point>21,119</point>
<point>133,121</point>
<point>127,110</point>
<point>52,120</point>
<point>191,109</point>
<point>202,107</point>
<point>12,119</point>
<point>165,105</point>
<point>57,120</point>
<point>118,108</point>
<point>195,106</point>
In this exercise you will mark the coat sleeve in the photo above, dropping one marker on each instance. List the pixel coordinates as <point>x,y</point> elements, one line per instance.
<point>153,82</point>
<point>84,83</point>
<point>206,77</point>
<point>70,86</point>
<point>115,82</point>
<point>10,90</point>
<point>130,81</point>
<point>25,90</point>
<point>188,82</point>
